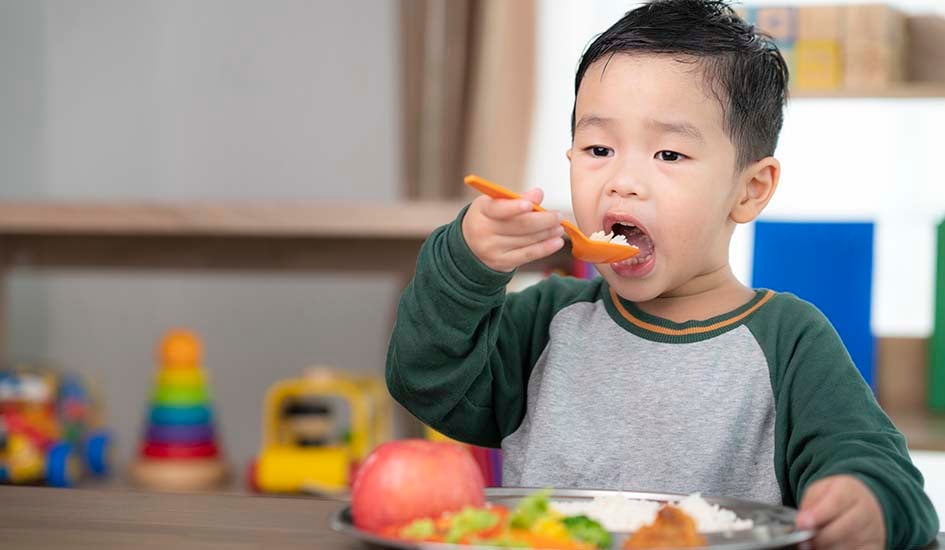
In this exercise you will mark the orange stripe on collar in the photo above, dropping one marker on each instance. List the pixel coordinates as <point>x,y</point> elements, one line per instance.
<point>686,331</point>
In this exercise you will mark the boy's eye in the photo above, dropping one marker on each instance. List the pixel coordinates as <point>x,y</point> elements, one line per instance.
<point>600,151</point>
<point>670,156</point>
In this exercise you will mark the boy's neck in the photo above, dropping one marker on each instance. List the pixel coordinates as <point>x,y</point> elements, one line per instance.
<point>706,296</point>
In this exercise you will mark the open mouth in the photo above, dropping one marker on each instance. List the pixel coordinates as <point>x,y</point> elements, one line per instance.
<point>635,234</point>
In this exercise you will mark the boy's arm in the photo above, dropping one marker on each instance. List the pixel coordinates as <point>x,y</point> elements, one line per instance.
<point>828,423</point>
<point>461,350</point>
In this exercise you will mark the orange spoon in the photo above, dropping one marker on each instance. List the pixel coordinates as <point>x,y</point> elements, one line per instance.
<point>582,247</point>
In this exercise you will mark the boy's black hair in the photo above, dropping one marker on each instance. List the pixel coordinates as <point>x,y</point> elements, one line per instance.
<point>742,67</point>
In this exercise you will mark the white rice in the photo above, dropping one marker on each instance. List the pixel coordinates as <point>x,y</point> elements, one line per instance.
<point>620,513</point>
<point>711,518</point>
<point>615,512</point>
<point>609,237</point>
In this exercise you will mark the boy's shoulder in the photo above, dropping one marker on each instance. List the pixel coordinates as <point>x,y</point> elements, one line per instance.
<point>789,312</point>
<point>539,304</point>
<point>789,328</point>
<point>565,286</point>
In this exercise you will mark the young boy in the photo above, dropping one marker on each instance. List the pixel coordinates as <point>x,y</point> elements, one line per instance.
<point>666,374</point>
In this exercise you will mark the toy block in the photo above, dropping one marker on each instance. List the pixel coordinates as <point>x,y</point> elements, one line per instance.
<point>821,23</point>
<point>875,46</point>
<point>875,22</point>
<point>818,65</point>
<point>873,65</point>
<point>779,23</point>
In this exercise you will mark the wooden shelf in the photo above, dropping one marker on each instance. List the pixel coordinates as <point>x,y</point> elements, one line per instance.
<point>308,236</point>
<point>901,91</point>
<point>410,220</point>
<point>332,236</point>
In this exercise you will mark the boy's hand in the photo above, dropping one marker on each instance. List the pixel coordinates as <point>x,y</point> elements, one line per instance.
<point>505,233</point>
<point>845,512</point>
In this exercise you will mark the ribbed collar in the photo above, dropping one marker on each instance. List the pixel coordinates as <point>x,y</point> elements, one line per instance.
<point>629,316</point>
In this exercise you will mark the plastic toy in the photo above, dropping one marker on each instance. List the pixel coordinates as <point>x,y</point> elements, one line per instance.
<point>50,428</point>
<point>179,451</point>
<point>316,431</point>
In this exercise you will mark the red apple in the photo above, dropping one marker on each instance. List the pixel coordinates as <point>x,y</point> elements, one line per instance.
<point>408,479</point>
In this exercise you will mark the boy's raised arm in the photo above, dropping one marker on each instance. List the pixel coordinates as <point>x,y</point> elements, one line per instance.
<point>461,350</point>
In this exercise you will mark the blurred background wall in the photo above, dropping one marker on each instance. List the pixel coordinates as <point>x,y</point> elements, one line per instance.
<point>365,100</point>
<point>176,100</point>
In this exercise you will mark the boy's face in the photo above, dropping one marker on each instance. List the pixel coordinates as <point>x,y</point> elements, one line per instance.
<point>649,149</point>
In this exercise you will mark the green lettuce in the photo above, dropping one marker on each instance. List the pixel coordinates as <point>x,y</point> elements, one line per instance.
<point>530,509</point>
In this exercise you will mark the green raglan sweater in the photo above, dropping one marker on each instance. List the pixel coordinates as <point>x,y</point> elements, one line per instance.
<point>581,388</point>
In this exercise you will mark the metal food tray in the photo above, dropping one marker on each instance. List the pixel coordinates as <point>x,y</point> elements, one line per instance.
<point>773,525</point>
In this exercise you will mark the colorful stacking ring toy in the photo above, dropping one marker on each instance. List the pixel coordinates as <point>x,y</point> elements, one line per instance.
<point>180,433</point>
<point>179,450</point>
<point>176,450</point>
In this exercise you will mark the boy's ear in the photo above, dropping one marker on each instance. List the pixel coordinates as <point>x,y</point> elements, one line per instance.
<point>756,186</point>
<point>568,154</point>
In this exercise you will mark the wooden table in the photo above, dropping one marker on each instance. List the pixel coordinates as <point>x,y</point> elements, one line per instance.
<point>38,517</point>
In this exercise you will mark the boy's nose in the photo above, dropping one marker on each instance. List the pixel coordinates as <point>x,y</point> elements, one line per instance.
<point>625,185</point>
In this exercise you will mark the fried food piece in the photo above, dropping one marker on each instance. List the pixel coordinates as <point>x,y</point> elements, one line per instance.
<point>672,528</point>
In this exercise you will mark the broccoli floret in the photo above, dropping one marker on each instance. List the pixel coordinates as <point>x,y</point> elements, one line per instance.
<point>587,530</point>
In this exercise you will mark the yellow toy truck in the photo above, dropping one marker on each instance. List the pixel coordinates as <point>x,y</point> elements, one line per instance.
<point>316,431</point>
